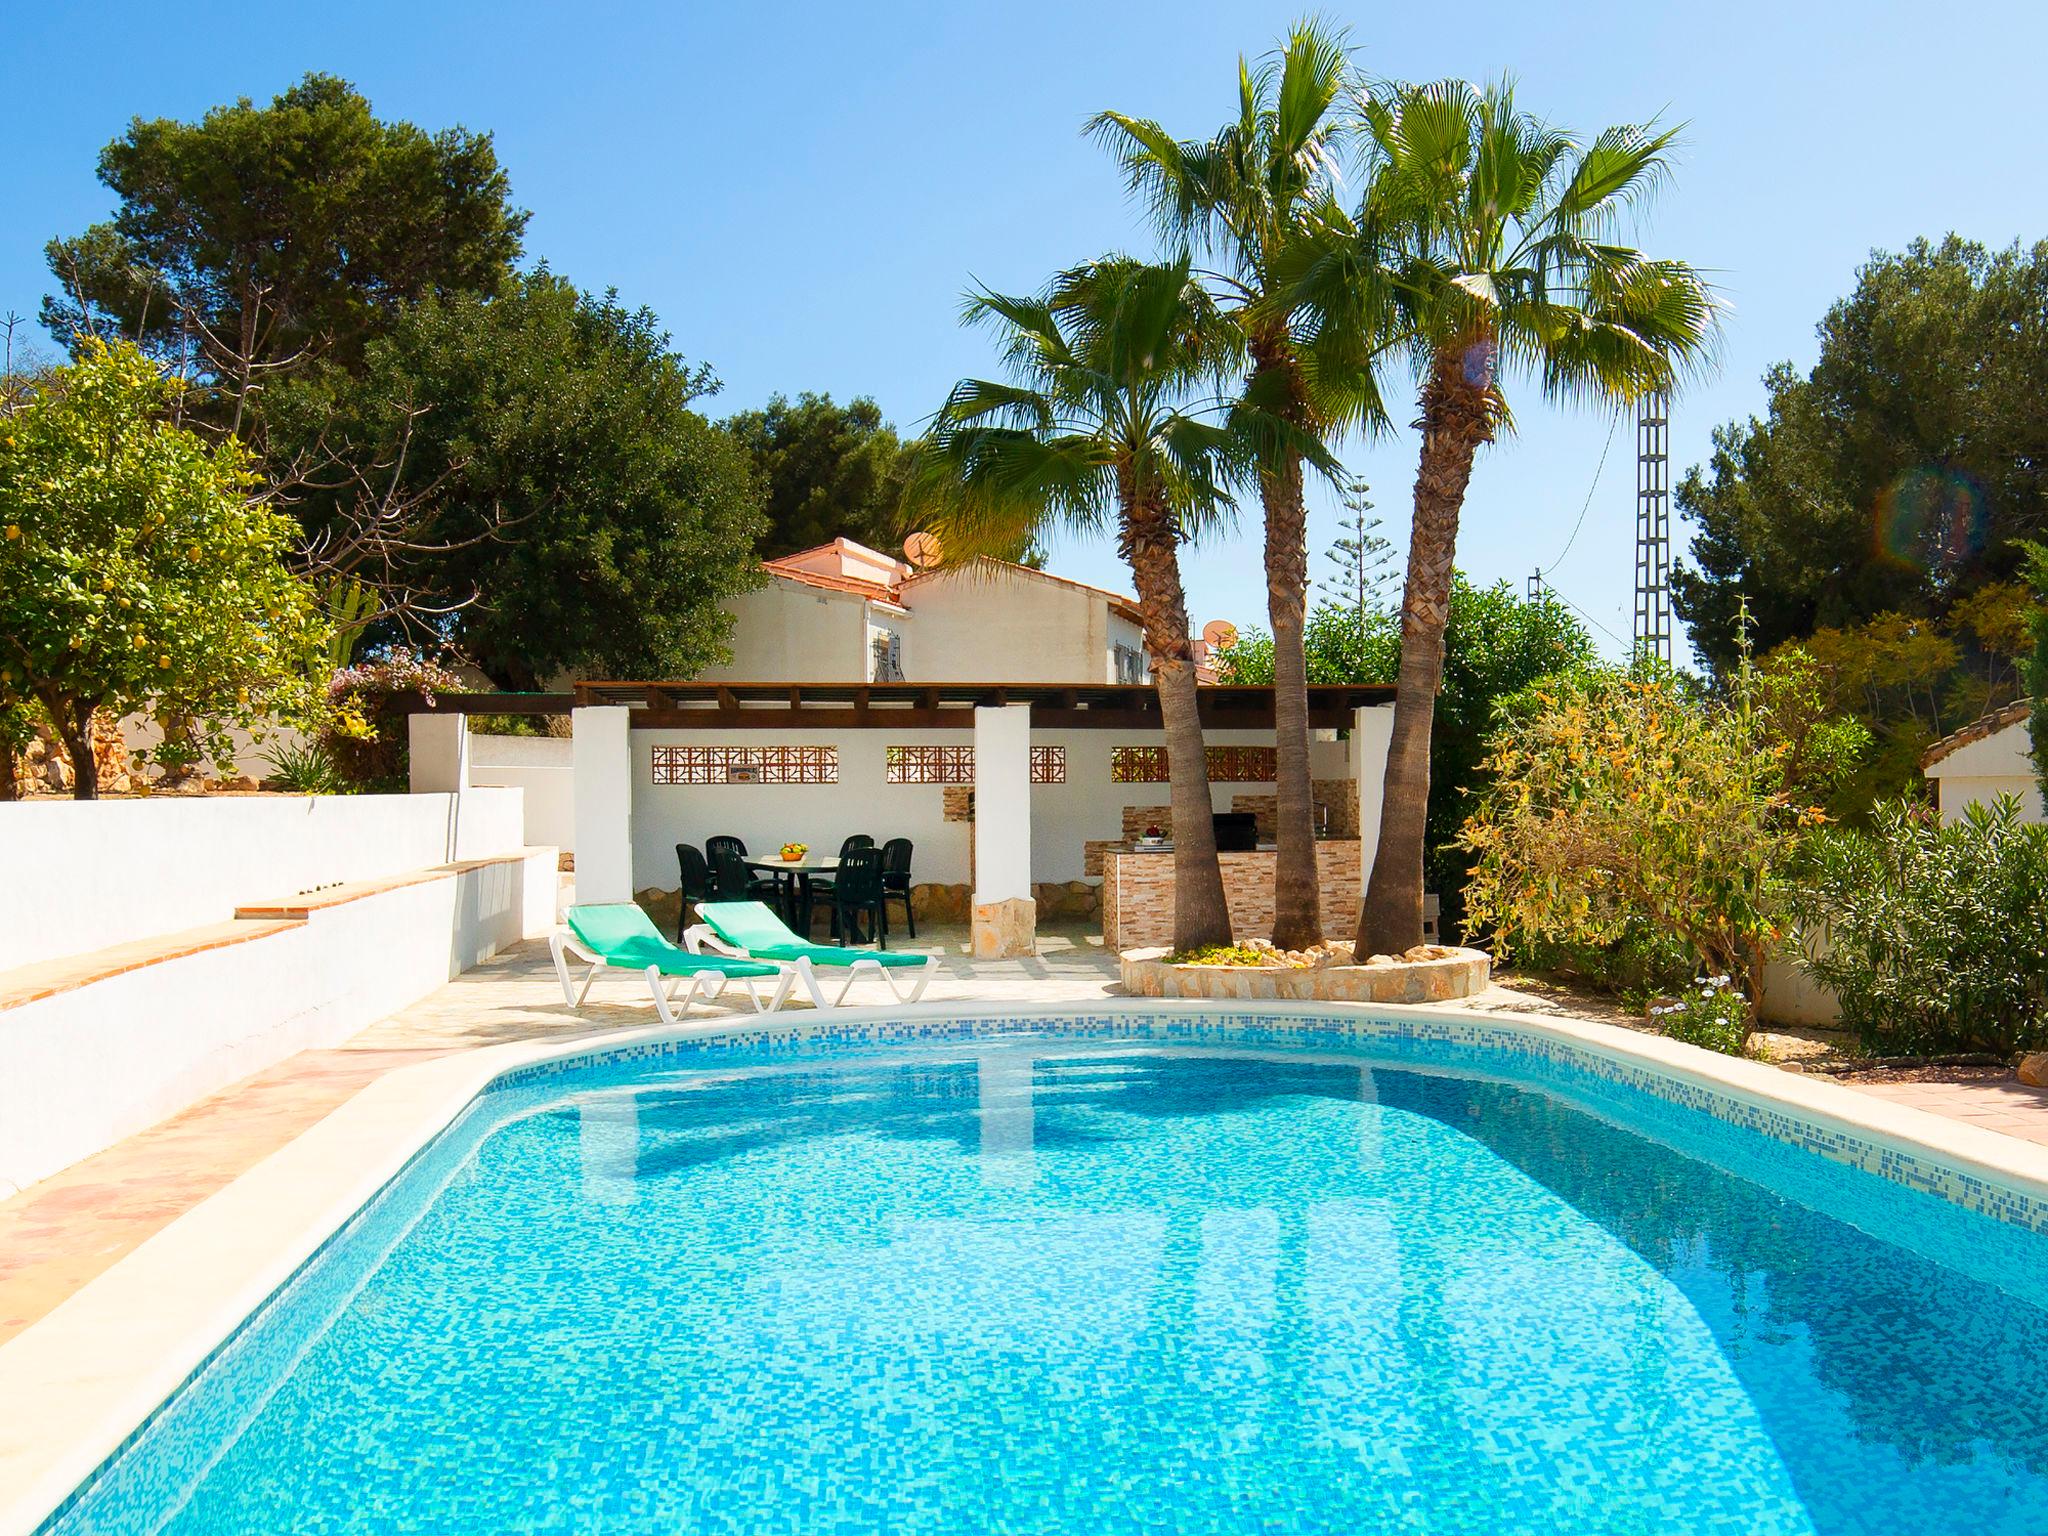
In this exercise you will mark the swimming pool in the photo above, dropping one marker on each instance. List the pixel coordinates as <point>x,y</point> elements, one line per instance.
<point>1127,1276</point>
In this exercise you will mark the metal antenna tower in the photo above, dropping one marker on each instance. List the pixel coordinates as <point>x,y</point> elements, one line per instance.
<point>1653,526</point>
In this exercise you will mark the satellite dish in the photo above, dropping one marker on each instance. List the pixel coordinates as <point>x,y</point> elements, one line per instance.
<point>922,550</point>
<point>1220,634</point>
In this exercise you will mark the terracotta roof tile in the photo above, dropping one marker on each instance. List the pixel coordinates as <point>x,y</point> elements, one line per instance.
<point>1976,730</point>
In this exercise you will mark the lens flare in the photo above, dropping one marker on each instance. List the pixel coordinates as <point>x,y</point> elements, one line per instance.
<point>1931,518</point>
<point>1479,361</point>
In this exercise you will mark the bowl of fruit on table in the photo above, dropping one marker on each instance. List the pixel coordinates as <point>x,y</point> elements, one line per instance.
<point>792,852</point>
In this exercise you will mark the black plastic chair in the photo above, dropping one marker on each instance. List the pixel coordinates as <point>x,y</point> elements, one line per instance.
<point>896,879</point>
<point>819,887</point>
<point>758,887</point>
<point>697,884</point>
<point>731,880</point>
<point>857,892</point>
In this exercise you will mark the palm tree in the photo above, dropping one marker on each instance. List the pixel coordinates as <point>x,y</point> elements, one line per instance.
<point>1097,431</point>
<point>1498,239</point>
<point>1247,196</point>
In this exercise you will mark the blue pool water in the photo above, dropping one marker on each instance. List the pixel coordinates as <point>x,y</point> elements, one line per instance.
<point>1045,1284</point>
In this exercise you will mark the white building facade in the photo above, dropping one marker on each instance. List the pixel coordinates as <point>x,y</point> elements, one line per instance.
<point>1984,760</point>
<point>844,613</point>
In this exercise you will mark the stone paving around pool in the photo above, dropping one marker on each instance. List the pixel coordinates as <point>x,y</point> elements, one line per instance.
<point>61,1233</point>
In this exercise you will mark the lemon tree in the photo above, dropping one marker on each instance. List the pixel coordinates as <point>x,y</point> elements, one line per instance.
<point>137,571</point>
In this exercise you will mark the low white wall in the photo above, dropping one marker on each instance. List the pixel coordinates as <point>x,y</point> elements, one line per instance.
<point>83,1069</point>
<point>83,875</point>
<point>1785,995</point>
<point>541,768</point>
<point>1088,806</point>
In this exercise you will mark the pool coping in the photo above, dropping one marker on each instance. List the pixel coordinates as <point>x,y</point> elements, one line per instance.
<point>76,1384</point>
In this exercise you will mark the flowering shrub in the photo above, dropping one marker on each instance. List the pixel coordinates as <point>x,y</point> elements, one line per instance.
<point>1620,800</point>
<point>1711,1014</point>
<point>368,705</point>
<point>1229,954</point>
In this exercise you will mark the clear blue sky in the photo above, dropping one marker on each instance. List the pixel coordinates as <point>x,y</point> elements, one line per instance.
<point>802,191</point>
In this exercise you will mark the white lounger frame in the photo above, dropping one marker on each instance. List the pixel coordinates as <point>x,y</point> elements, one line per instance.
<point>673,996</point>
<point>703,936</point>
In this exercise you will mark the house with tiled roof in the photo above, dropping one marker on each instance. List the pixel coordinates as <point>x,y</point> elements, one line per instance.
<point>1985,759</point>
<point>843,612</point>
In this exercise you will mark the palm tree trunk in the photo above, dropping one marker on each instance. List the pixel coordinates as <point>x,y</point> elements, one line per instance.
<point>1200,914</point>
<point>1297,901</point>
<point>1456,419</point>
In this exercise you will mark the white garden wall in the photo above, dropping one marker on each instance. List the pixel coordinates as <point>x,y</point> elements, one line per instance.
<point>539,767</point>
<point>84,1068</point>
<point>84,875</point>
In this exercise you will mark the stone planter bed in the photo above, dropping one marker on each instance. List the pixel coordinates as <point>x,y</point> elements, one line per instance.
<point>1438,974</point>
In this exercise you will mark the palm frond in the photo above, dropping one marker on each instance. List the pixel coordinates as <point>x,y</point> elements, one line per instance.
<point>1619,168</point>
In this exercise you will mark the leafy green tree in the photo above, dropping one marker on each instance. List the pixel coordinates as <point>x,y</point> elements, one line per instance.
<point>260,238</point>
<point>2034,670</point>
<point>1497,241</point>
<point>1495,646</point>
<point>1909,680</point>
<point>1895,474</point>
<point>1363,558</point>
<point>1096,433</point>
<point>1250,195</point>
<point>577,513</point>
<point>136,571</point>
<point>828,471</point>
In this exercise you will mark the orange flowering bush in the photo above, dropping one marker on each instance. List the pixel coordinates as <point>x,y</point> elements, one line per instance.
<point>1622,799</point>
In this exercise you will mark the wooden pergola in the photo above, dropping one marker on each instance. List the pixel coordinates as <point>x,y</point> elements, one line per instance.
<point>899,706</point>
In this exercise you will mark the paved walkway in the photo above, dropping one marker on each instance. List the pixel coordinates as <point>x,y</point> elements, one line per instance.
<point>61,1233</point>
<point>2007,1105</point>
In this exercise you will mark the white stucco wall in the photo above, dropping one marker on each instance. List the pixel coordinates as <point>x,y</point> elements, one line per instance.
<point>786,632</point>
<point>83,1069</point>
<point>543,770</point>
<point>981,624</point>
<point>83,875</point>
<point>1088,806</point>
<point>2000,764</point>
<point>974,624</point>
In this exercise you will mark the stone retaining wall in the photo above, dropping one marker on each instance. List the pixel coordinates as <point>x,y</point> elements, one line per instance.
<point>1459,973</point>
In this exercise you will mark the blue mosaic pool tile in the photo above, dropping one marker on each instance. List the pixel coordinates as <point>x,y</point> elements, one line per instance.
<point>1188,1274</point>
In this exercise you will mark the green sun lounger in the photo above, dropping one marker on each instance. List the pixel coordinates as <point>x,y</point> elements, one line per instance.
<point>749,930</point>
<point>618,935</point>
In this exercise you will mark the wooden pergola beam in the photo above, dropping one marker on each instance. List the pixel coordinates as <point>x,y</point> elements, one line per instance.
<point>685,705</point>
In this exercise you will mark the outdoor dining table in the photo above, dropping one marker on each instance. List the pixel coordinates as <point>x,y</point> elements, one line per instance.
<point>793,882</point>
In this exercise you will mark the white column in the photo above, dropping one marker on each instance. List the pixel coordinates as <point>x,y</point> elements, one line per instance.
<point>437,763</point>
<point>1005,912</point>
<point>1370,737</point>
<point>437,750</point>
<point>602,758</point>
